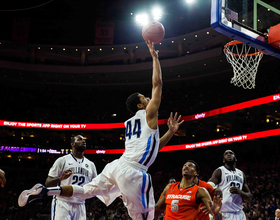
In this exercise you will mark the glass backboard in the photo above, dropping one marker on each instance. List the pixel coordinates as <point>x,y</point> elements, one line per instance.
<point>247,21</point>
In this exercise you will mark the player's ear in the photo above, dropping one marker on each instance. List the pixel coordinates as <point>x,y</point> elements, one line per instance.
<point>140,106</point>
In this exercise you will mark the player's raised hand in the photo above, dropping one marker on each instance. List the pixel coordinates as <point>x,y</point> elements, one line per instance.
<point>174,122</point>
<point>215,205</point>
<point>65,174</point>
<point>151,46</point>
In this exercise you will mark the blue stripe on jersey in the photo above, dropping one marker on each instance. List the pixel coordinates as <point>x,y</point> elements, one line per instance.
<point>54,201</point>
<point>148,190</point>
<point>147,150</point>
<point>143,188</point>
<point>152,152</point>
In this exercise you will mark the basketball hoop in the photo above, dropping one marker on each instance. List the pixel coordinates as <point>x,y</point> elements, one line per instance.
<point>244,60</point>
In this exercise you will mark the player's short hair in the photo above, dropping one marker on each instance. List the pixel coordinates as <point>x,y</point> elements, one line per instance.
<point>197,169</point>
<point>132,101</point>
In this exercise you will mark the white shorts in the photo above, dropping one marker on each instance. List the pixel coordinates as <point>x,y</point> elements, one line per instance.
<point>62,210</point>
<point>233,215</point>
<point>129,180</point>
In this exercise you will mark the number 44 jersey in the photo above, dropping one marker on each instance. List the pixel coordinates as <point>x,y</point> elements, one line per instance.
<point>83,171</point>
<point>141,142</point>
<point>229,178</point>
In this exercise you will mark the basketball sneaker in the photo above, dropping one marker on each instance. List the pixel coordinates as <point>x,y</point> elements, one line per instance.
<point>36,192</point>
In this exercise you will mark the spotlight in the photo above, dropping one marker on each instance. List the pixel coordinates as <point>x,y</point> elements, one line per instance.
<point>142,19</point>
<point>157,13</point>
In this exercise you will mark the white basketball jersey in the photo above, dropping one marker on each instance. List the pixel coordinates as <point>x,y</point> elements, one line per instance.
<point>142,142</point>
<point>229,178</point>
<point>82,172</point>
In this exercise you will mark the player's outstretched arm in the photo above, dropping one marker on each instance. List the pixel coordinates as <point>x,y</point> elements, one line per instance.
<point>160,206</point>
<point>52,181</point>
<point>153,106</point>
<point>2,178</point>
<point>173,125</point>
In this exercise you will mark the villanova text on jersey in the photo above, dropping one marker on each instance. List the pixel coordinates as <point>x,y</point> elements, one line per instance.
<point>79,170</point>
<point>234,177</point>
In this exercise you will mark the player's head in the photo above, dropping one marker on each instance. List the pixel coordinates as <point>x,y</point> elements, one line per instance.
<point>229,157</point>
<point>78,143</point>
<point>190,168</point>
<point>172,180</point>
<point>136,101</point>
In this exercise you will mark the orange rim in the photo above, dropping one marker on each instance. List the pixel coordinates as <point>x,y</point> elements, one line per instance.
<point>240,55</point>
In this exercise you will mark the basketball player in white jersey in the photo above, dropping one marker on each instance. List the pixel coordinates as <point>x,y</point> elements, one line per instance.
<point>72,169</point>
<point>127,176</point>
<point>233,184</point>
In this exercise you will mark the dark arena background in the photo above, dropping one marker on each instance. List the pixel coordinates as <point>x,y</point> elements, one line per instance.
<point>67,68</point>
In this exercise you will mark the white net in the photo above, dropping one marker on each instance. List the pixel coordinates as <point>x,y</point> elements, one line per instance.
<point>244,60</point>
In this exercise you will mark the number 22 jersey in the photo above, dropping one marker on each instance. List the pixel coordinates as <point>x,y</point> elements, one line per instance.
<point>229,178</point>
<point>82,172</point>
<point>181,202</point>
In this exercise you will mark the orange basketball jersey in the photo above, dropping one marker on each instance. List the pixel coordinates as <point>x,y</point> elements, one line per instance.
<point>181,202</point>
<point>210,189</point>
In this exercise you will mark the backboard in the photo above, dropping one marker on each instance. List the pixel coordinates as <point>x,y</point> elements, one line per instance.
<point>247,21</point>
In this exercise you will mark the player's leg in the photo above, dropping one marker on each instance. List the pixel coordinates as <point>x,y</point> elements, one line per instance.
<point>138,195</point>
<point>104,185</point>
<point>53,208</point>
<point>79,212</point>
<point>101,186</point>
<point>234,216</point>
<point>62,211</point>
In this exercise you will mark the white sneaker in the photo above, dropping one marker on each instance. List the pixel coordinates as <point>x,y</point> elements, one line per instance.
<point>36,192</point>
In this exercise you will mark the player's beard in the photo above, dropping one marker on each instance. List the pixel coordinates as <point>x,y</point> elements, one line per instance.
<point>81,148</point>
<point>230,162</point>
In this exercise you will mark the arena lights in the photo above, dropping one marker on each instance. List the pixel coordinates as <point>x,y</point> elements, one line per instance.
<point>142,19</point>
<point>189,1</point>
<point>157,13</point>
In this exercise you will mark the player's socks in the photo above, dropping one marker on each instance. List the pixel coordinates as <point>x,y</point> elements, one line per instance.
<point>77,191</point>
<point>54,191</point>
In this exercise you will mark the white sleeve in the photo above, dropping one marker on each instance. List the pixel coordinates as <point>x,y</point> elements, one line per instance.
<point>213,184</point>
<point>57,168</point>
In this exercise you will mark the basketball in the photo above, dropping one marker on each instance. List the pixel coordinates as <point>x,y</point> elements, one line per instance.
<point>153,32</point>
